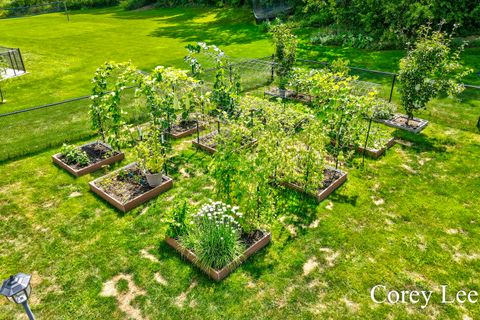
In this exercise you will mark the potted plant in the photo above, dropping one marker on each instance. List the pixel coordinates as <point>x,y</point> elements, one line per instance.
<point>151,157</point>
<point>432,67</point>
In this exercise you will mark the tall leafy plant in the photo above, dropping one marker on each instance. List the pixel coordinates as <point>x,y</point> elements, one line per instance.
<point>226,86</point>
<point>285,52</point>
<point>106,114</point>
<point>170,93</point>
<point>432,67</point>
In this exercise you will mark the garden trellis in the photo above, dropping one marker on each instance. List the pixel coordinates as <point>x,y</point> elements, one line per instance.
<point>68,120</point>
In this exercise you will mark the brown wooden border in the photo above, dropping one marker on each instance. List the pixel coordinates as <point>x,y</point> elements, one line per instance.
<point>124,207</point>
<point>90,168</point>
<point>221,274</point>
<point>391,123</point>
<point>211,150</point>
<point>321,195</point>
<point>376,153</point>
<point>185,133</point>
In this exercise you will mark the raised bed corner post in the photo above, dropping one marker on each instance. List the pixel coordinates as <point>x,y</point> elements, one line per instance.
<point>66,10</point>
<point>393,86</point>
<point>198,133</point>
<point>366,141</point>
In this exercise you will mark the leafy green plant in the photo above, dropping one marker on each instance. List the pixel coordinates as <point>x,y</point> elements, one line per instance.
<point>169,93</point>
<point>285,52</point>
<point>151,153</point>
<point>226,87</point>
<point>105,111</point>
<point>74,155</point>
<point>214,235</point>
<point>177,224</point>
<point>431,67</point>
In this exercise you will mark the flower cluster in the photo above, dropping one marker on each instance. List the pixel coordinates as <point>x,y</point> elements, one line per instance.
<point>220,213</point>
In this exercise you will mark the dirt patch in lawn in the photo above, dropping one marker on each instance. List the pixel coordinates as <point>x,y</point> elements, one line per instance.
<point>180,300</point>
<point>147,255</point>
<point>309,266</point>
<point>124,298</point>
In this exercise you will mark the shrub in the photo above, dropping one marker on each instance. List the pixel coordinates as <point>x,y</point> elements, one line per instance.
<point>177,225</point>
<point>214,235</point>
<point>74,155</point>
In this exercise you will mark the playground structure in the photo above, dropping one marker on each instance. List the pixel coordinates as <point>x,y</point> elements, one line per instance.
<point>270,10</point>
<point>11,63</point>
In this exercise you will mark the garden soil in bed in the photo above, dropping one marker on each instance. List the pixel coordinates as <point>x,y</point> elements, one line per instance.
<point>253,242</point>
<point>208,142</point>
<point>399,121</point>
<point>376,153</point>
<point>184,128</point>
<point>127,187</point>
<point>332,179</point>
<point>100,154</point>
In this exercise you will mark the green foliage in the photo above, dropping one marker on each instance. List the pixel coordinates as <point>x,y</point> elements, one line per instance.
<point>431,67</point>
<point>214,235</point>
<point>151,153</point>
<point>285,52</point>
<point>177,224</point>
<point>380,24</point>
<point>105,112</point>
<point>226,87</point>
<point>170,93</point>
<point>74,155</point>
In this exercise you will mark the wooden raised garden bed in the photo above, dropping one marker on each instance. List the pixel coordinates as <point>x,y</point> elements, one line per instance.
<point>399,121</point>
<point>252,247</point>
<point>127,187</point>
<point>333,178</point>
<point>208,143</point>
<point>183,129</point>
<point>376,153</point>
<point>99,153</point>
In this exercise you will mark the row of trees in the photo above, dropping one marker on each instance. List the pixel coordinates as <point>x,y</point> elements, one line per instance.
<point>431,67</point>
<point>391,20</point>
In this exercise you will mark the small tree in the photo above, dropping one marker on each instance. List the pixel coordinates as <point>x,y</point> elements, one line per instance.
<point>431,67</point>
<point>285,52</point>
<point>226,87</point>
<point>105,111</point>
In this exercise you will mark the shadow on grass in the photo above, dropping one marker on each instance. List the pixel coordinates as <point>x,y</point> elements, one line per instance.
<point>423,143</point>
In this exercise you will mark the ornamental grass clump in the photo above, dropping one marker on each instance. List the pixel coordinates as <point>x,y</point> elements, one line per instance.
<point>214,235</point>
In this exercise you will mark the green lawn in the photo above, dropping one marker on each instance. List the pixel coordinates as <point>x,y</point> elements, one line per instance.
<point>61,57</point>
<point>409,220</point>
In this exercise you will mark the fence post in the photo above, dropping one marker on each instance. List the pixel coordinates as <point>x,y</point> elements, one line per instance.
<point>272,76</point>
<point>66,10</point>
<point>393,85</point>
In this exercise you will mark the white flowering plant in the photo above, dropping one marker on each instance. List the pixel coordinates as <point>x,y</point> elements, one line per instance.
<point>214,234</point>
